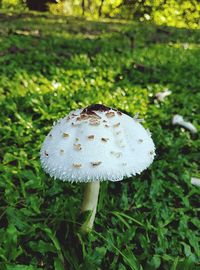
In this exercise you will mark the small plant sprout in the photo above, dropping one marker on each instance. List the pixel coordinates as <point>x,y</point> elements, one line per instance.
<point>178,120</point>
<point>96,144</point>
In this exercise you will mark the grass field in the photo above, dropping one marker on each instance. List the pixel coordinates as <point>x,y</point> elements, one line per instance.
<point>50,65</point>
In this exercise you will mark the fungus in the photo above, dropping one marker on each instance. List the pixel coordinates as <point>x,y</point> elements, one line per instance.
<point>96,161</point>
<point>162,95</point>
<point>178,120</point>
<point>195,181</point>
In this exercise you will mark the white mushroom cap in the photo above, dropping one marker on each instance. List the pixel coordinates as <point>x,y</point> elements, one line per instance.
<point>95,144</point>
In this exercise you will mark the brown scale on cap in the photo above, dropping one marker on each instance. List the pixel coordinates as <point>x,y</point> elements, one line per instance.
<point>77,146</point>
<point>96,163</point>
<point>110,114</point>
<point>77,165</point>
<point>85,116</point>
<point>116,125</point>
<point>119,113</point>
<point>104,139</point>
<point>118,132</point>
<point>107,126</point>
<point>77,139</point>
<point>65,135</point>
<point>93,119</point>
<point>82,117</point>
<point>50,135</point>
<point>90,110</point>
<point>91,137</point>
<point>89,114</point>
<point>62,151</point>
<point>151,152</point>
<point>124,164</point>
<point>95,115</point>
<point>140,141</point>
<point>94,123</point>
<point>46,154</point>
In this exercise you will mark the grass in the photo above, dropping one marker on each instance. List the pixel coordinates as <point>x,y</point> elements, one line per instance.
<point>50,65</point>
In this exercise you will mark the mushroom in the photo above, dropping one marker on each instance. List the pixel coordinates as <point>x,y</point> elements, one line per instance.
<point>178,120</point>
<point>162,95</point>
<point>122,150</point>
<point>195,181</point>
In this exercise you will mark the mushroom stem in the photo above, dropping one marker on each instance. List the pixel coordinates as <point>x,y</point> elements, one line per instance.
<point>90,200</point>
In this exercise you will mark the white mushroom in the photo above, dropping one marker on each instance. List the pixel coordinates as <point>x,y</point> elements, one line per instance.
<point>195,181</point>
<point>178,120</point>
<point>162,95</point>
<point>122,150</point>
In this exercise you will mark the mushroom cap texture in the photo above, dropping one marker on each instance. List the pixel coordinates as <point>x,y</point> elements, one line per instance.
<point>95,144</point>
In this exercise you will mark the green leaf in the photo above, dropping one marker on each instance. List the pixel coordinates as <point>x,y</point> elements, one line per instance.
<point>58,265</point>
<point>21,267</point>
<point>155,262</point>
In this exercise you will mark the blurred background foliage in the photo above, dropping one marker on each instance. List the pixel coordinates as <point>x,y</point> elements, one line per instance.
<point>179,13</point>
